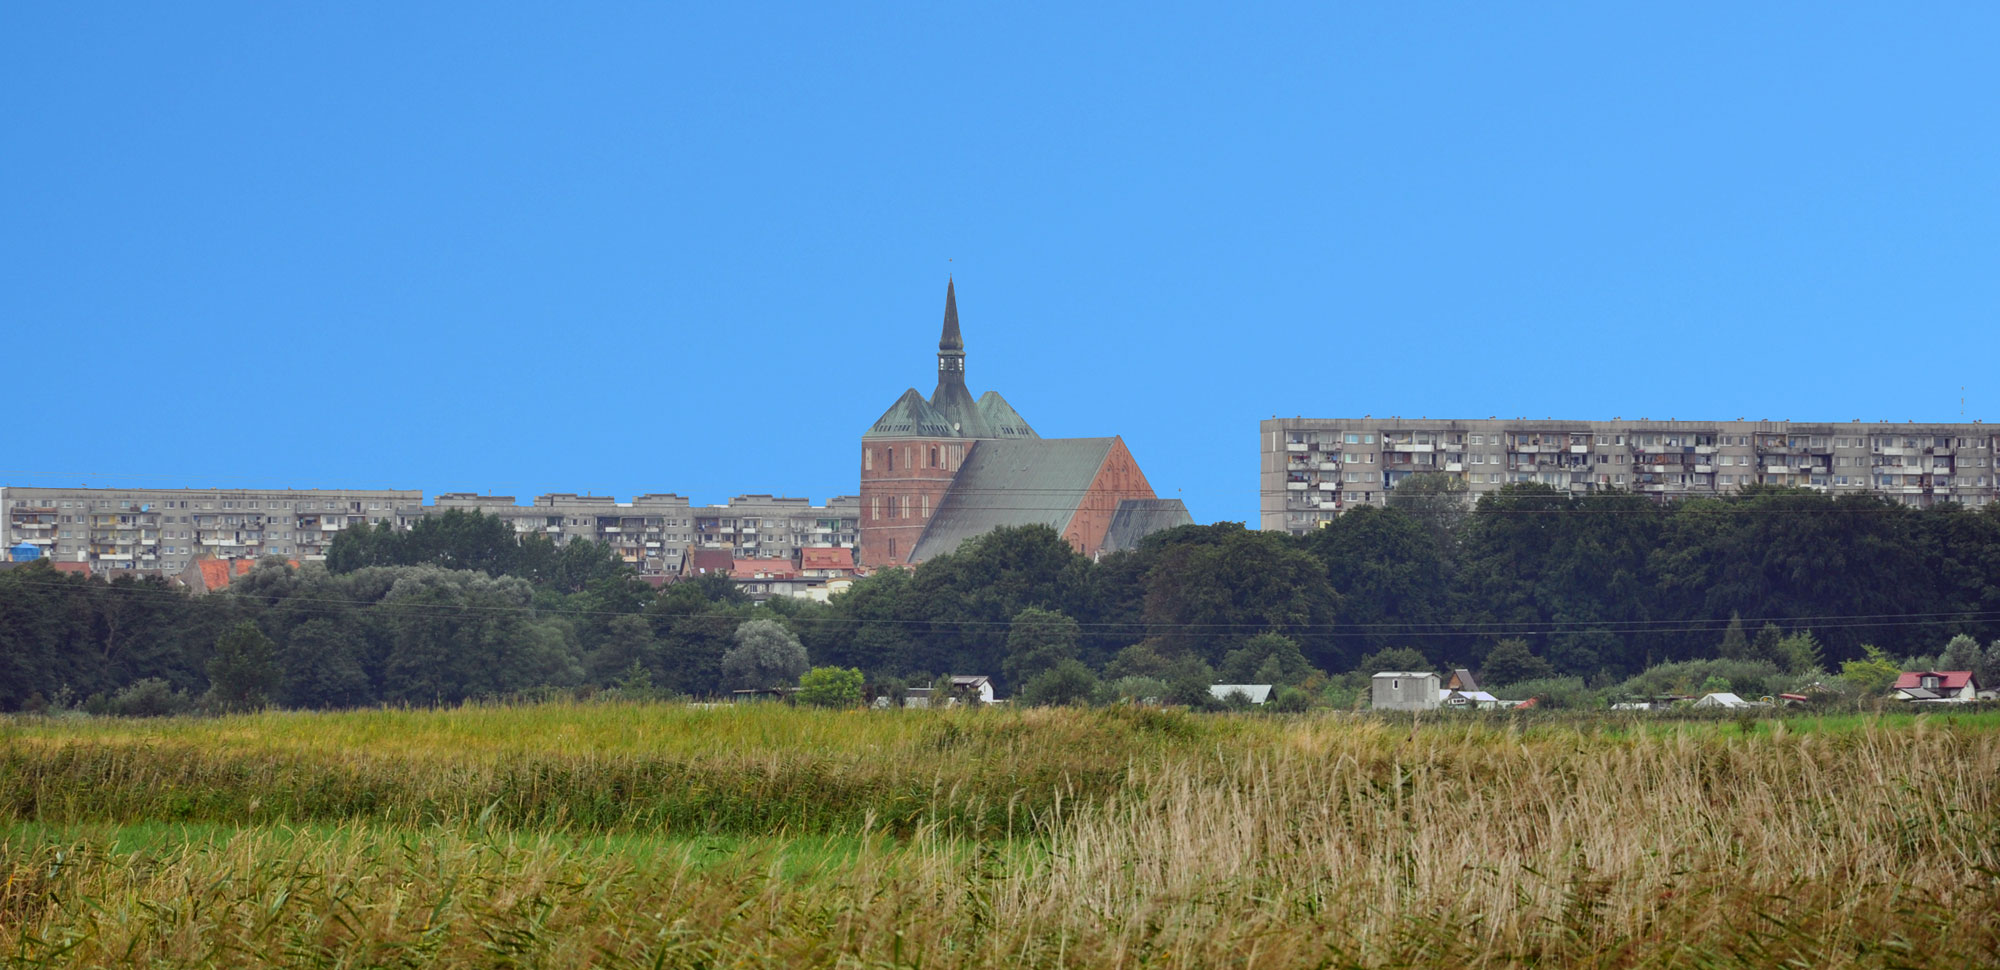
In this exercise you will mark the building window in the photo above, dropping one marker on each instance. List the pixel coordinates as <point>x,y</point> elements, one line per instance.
<point>875,508</point>
<point>934,456</point>
<point>889,459</point>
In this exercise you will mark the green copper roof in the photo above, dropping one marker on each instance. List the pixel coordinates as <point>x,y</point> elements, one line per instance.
<point>1002,421</point>
<point>911,417</point>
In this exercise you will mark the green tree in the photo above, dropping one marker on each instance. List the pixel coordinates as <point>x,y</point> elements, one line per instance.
<point>1067,683</point>
<point>1037,640</point>
<point>321,666</point>
<point>1394,658</point>
<point>1438,500</point>
<point>148,697</point>
<point>1394,574</point>
<point>830,687</point>
<point>1735,643</point>
<point>1213,587</point>
<point>766,655</point>
<point>242,674</point>
<point>1800,653</point>
<point>1766,645</point>
<point>1961,653</point>
<point>1511,662</point>
<point>627,640</point>
<point>1267,658</point>
<point>1871,675</point>
<point>1136,689</point>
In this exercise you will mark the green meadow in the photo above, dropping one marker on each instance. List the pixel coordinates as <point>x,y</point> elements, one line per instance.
<point>648,835</point>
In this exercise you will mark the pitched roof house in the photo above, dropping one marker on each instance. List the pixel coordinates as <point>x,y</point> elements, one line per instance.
<point>1937,686</point>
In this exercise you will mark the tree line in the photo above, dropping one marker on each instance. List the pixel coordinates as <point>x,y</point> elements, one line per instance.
<point>1531,584</point>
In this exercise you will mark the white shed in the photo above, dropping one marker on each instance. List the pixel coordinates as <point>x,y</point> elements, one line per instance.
<point>1404,691</point>
<point>1257,693</point>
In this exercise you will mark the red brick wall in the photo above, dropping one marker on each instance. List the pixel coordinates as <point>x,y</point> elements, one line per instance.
<point>887,533</point>
<point>1119,478</point>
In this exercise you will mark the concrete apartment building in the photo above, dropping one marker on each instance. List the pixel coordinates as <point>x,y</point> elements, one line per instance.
<point>1312,469</point>
<point>160,531</point>
<point>655,532</point>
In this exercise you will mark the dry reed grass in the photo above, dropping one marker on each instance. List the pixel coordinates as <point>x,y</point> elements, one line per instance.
<point>1135,840</point>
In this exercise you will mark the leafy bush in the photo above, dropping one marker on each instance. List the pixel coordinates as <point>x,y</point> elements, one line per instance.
<point>151,697</point>
<point>1291,700</point>
<point>830,687</point>
<point>1137,689</point>
<point>1067,683</point>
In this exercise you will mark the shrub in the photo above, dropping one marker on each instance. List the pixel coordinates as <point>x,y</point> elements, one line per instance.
<point>151,697</point>
<point>1291,700</point>
<point>830,687</point>
<point>1066,683</point>
<point>1138,689</point>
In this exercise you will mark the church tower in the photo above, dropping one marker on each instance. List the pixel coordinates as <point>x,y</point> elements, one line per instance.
<point>909,456</point>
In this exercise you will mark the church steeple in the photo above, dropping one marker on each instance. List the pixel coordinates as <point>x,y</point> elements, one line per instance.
<point>951,346</point>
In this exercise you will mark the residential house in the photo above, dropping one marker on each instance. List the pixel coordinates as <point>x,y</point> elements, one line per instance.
<point>1466,699</point>
<point>972,688</point>
<point>1937,686</point>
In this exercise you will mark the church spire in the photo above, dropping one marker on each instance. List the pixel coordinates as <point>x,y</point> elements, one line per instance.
<point>951,340</point>
<point>951,346</point>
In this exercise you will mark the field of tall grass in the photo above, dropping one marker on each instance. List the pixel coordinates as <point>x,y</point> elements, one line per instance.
<point>658,835</point>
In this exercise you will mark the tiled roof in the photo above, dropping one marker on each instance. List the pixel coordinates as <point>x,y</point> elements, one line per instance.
<point>711,561</point>
<point>1947,679</point>
<point>815,558</point>
<point>763,569</point>
<point>1013,483</point>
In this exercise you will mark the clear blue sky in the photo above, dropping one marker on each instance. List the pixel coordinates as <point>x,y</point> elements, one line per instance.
<point>700,247</point>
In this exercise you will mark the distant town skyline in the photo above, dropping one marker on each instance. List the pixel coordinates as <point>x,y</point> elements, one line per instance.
<point>621,251</point>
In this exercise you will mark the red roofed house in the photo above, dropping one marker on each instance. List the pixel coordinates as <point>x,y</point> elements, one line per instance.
<point>829,563</point>
<point>704,561</point>
<point>1937,686</point>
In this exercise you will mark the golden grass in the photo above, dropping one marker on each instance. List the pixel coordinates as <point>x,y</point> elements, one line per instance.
<point>1125,840</point>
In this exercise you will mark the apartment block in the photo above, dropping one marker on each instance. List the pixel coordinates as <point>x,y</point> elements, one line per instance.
<point>655,532</point>
<point>1312,469</point>
<point>651,532</point>
<point>774,527</point>
<point>160,530</point>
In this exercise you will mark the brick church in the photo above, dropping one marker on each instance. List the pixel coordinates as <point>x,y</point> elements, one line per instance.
<point>937,472</point>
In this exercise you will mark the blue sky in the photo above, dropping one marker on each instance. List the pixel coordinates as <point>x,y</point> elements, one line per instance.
<point>699,248</point>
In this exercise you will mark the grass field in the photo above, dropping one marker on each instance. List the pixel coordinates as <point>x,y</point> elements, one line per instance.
<point>656,835</point>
